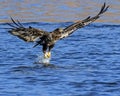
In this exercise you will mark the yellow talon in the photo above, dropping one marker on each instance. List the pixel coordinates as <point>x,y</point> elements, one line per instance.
<point>47,55</point>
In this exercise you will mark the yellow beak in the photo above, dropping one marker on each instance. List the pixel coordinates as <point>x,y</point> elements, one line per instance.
<point>47,55</point>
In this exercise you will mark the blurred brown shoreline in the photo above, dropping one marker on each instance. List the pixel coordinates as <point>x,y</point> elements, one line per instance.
<point>57,11</point>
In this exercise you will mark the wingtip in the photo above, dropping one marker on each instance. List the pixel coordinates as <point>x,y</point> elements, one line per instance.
<point>11,25</point>
<point>16,23</point>
<point>104,3</point>
<point>104,8</point>
<point>87,18</point>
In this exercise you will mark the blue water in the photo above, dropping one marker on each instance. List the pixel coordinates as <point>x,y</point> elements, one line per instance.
<point>85,64</point>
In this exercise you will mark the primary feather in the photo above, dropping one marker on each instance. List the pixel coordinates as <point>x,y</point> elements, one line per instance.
<point>29,34</point>
<point>79,24</point>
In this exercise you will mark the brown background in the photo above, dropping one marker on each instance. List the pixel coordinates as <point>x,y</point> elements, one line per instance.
<point>57,10</point>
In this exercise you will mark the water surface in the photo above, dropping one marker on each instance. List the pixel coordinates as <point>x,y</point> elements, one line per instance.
<point>86,63</point>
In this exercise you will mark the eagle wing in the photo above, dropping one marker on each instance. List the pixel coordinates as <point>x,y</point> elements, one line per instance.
<point>70,29</point>
<point>29,34</point>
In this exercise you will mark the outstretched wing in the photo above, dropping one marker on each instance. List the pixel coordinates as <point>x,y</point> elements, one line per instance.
<point>29,34</point>
<point>70,29</point>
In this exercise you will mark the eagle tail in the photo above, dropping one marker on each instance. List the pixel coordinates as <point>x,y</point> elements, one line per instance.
<point>35,45</point>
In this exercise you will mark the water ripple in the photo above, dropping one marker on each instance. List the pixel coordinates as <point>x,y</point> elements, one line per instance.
<point>84,64</point>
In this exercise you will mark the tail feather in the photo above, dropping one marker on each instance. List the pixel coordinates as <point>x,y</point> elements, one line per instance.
<point>35,45</point>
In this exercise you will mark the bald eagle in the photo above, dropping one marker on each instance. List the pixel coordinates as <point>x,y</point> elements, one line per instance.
<point>48,39</point>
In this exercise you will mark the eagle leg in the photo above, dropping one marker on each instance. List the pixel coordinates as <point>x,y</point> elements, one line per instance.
<point>47,54</point>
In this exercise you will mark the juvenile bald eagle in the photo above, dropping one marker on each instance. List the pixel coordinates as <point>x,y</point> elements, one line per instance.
<point>48,39</point>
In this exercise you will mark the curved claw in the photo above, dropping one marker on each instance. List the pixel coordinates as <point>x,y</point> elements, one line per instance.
<point>47,55</point>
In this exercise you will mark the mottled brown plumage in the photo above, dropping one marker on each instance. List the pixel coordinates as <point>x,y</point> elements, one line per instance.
<point>48,39</point>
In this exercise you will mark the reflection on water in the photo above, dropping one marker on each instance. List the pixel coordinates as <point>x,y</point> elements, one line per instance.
<point>57,10</point>
<point>41,59</point>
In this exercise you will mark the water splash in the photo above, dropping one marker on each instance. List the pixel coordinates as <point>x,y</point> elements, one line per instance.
<point>40,59</point>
